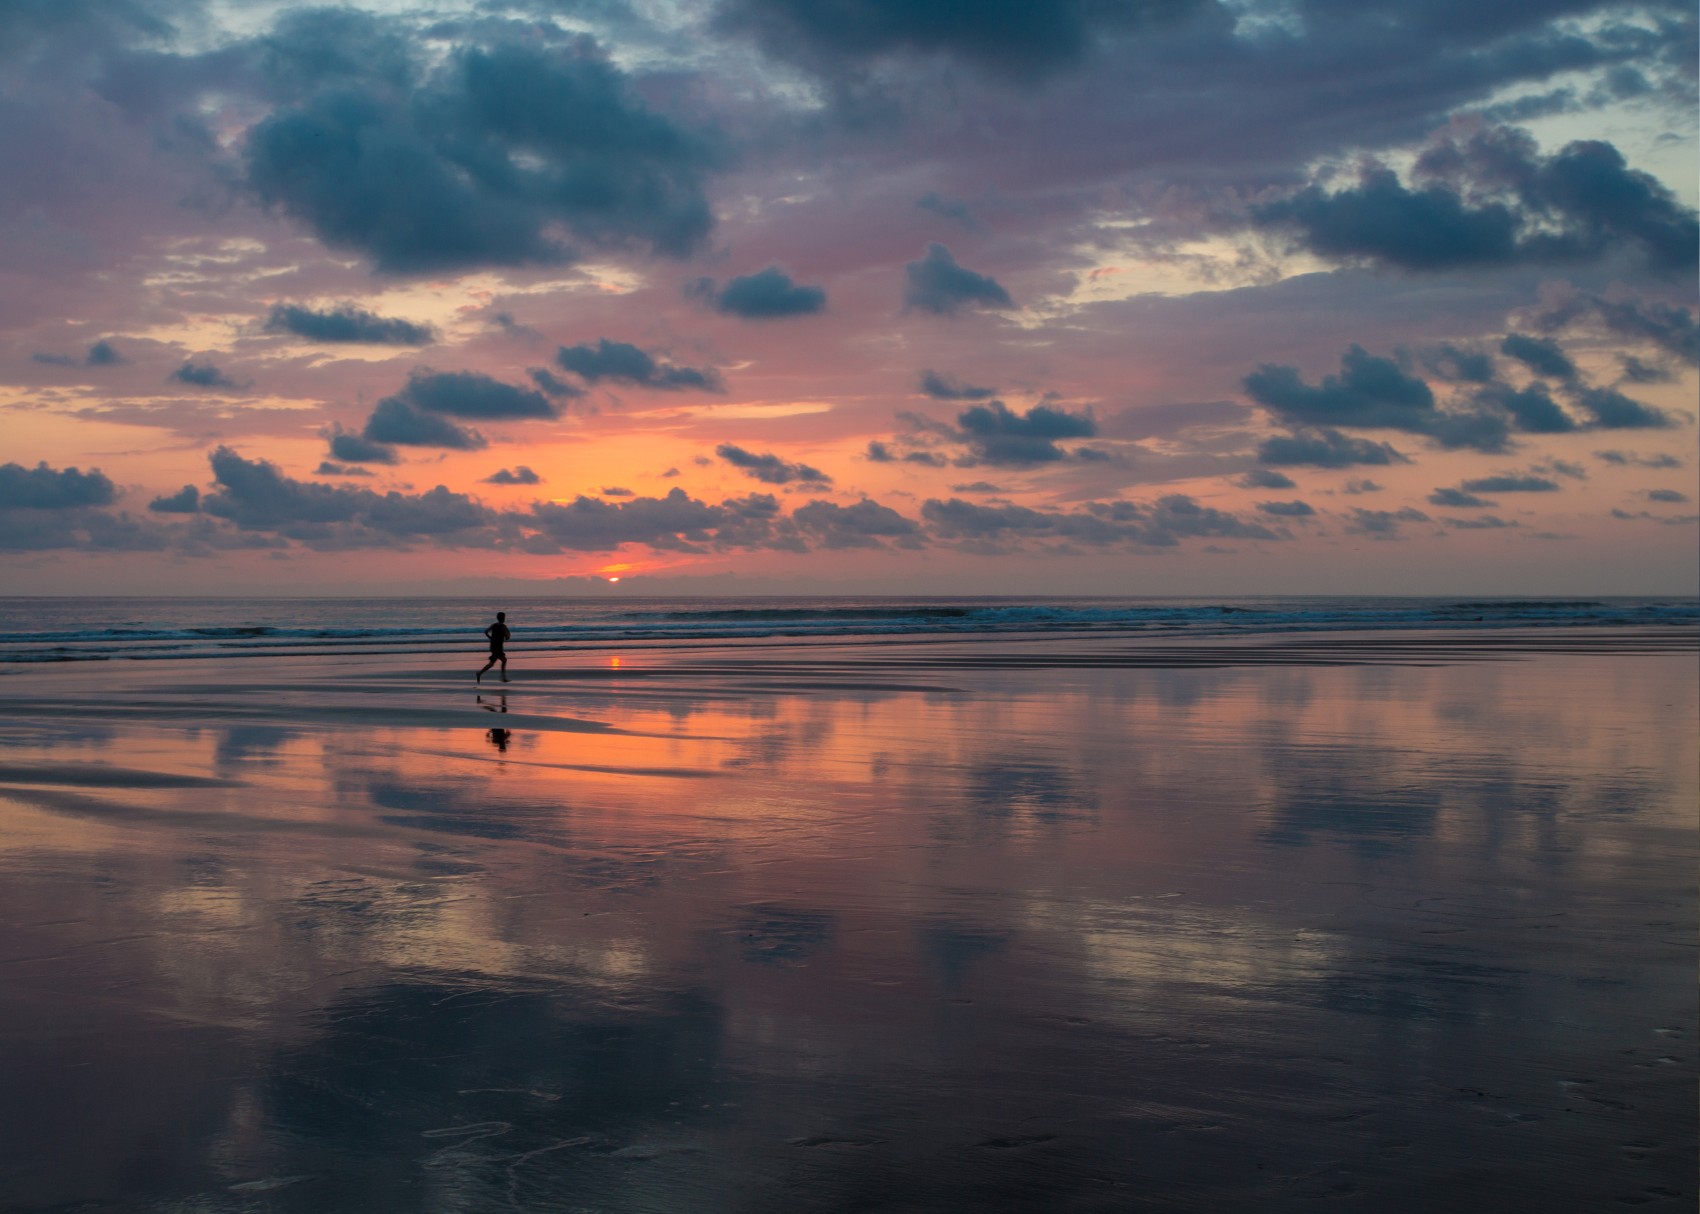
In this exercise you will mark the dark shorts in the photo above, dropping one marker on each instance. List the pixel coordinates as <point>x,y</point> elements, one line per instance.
<point>496,652</point>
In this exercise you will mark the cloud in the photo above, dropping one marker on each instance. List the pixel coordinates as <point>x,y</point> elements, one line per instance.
<point>953,209</point>
<point>1666,495</point>
<point>1457,499</point>
<point>186,500</point>
<point>765,295</point>
<point>347,323</point>
<point>1613,410</point>
<point>469,395</point>
<point>948,387</point>
<point>769,468</point>
<point>1532,408</point>
<point>1483,522</point>
<point>1383,524</point>
<point>518,475</point>
<point>1448,361</point>
<point>1267,478</point>
<point>1511,484</point>
<point>1293,509</point>
<point>256,495</point>
<point>862,525</point>
<point>327,468</point>
<point>547,381</point>
<point>1361,486</point>
<point>997,436</point>
<point>622,362</point>
<point>1100,524</point>
<point>395,421</point>
<point>937,284</point>
<point>1542,356</point>
<point>356,449</point>
<point>1008,40</point>
<point>1325,448</point>
<point>203,375</point>
<point>43,488</point>
<point>1372,393</point>
<point>1622,458</point>
<point>674,522</point>
<point>478,161</point>
<point>103,354</point>
<point>1491,199</point>
<point>1669,327</point>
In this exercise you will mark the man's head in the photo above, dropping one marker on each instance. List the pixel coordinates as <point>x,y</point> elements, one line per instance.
<point>501,615</point>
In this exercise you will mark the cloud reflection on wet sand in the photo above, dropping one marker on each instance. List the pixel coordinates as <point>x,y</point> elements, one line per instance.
<point>832,933</point>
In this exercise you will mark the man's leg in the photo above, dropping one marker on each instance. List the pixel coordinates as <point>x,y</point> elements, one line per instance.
<point>504,668</point>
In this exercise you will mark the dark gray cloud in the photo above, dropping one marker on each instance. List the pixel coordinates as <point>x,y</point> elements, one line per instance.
<point>1543,356</point>
<point>1266,478</point>
<point>1293,509</point>
<point>622,362</point>
<point>998,436</point>
<point>1612,410</point>
<point>1457,499</point>
<point>186,500</point>
<point>1325,448</point>
<point>1666,495</point>
<point>1509,483</point>
<point>103,354</point>
<point>256,495</point>
<point>1161,524</point>
<point>953,209</point>
<point>548,382</point>
<point>1383,524</point>
<point>1491,199</point>
<point>1009,40</point>
<point>866,524</point>
<point>1532,408</point>
<point>202,375</point>
<point>1356,487</point>
<point>329,468</point>
<point>615,491</point>
<point>676,522</point>
<point>43,488</point>
<point>477,160</point>
<point>347,323</point>
<point>1448,361</point>
<point>937,284</point>
<point>765,295</point>
<point>1666,326</point>
<point>471,396</point>
<point>948,387</point>
<point>1481,522</point>
<point>1373,393</point>
<point>395,421</point>
<point>1626,458</point>
<point>519,474</point>
<point>769,468</point>
<point>357,449</point>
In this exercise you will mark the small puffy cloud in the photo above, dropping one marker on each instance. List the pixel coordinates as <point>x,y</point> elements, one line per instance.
<point>1457,499</point>
<point>186,500</point>
<point>1628,458</point>
<point>357,449</point>
<point>1325,448</point>
<point>622,362</point>
<point>769,468</point>
<point>765,295</point>
<point>395,421</point>
<point>862,525</point>
<point>615,491</point>
<point>1481,522</point>
<point>519,474</point>
<point>469,395</point>
<point>1511,484</point>
<point>1383,524</point>
<point>1668,327</point>
<point>44,488</point>
<point>1532,408</point>
<point>998,436</point>
<point>948,387</point>
<point>1267,478</point>
<point>1356,487</point>
<point>202,375</point>
<point>103,354</point>
<point>1613,410</point>
<point>1666,495</point>
<point>953,209</point>
<point>329,468</point>
<point>1371,393</point>
<point>347,323</point>
<point>1543,356</point>
<point>1293,509</point>
<point>1459,363</point>
<point>937,284</point>
<point>548,382</point>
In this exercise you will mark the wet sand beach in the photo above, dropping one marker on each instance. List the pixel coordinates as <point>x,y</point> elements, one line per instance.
<point>1386,922</point>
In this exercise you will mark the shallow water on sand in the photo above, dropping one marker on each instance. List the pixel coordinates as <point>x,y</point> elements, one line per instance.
<point>836,929</point>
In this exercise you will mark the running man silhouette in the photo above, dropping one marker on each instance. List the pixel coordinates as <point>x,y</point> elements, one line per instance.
<point>498,634</point>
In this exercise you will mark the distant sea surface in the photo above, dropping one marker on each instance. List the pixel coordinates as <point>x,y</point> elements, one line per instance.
<point>103,629</point>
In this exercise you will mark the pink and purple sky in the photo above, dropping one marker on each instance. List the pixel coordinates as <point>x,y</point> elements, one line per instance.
<point>815,296</point>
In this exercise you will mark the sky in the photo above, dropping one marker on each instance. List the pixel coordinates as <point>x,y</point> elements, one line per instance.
<point>848,296</point>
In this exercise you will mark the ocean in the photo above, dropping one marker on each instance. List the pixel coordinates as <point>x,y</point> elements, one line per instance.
<point>123,628</point>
